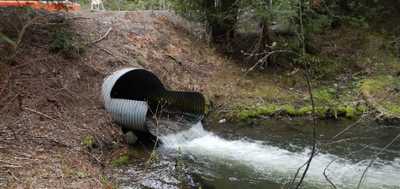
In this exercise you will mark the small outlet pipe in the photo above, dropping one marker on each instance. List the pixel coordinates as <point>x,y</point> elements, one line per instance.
<point>133,94</point>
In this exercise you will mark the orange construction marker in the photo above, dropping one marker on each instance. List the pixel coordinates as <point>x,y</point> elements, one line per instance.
<point>46,5</point>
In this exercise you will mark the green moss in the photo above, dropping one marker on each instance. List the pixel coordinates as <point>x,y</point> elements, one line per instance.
<point>81,174</point>
<point>267,110</point>
<point>376,84</point>
<point>290,110</point>
<point>325,96</point>
<point>381,93</point>
<point>321,111</point>
<point>362,108</point>
<point>336,111</point>
<point>349,112</point>
<point>305,110</point>
<point>120,161</point>
<point>393,108</point>
<point>257,111</point>
<point>88,141</point>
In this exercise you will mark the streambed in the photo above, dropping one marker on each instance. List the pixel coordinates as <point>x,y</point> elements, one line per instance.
<point>267,153</point>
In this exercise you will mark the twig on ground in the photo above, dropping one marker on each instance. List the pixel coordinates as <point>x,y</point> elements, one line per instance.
<point>77,17</point>
<point>5,84</point>
<point>13,176</point>
<point>9,164</point>
<point>39,113</point>
<point>174,59</point>
<point>23,30</point>
<point>102,37</point>
<point>120,59</point>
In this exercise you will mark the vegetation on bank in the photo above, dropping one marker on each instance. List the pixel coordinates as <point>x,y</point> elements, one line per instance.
<point>335,41</point>
<point>382,92</point>
<point>323,112</point>
<point>329,104</point>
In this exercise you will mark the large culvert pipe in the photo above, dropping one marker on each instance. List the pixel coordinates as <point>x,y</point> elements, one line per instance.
<point>132,94</point>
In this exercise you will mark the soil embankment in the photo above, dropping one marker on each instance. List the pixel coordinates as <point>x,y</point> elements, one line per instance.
<point>54,132</point>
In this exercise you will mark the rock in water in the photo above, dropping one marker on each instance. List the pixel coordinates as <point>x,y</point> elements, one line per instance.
<point>131,138</point>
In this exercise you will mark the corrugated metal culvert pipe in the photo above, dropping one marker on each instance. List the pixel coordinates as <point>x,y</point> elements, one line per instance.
<point>133,94</point>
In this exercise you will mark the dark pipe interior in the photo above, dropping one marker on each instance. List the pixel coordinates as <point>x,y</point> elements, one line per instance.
<point>138,85</point>
<point>142,85</point>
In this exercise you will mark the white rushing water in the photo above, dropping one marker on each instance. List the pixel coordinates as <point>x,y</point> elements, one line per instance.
<point>273,163</point>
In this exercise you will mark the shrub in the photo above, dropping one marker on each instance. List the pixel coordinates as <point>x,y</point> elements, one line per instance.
<point>63,42</point>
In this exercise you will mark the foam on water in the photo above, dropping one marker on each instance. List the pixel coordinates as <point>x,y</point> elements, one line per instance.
<point>274,163</point>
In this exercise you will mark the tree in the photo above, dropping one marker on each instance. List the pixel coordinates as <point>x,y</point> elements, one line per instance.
<point>220,16</point>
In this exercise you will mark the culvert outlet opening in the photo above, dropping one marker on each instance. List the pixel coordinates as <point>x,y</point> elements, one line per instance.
<point>131,95</point>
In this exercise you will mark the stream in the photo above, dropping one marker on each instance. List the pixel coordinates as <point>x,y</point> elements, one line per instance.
<point>267,154</point>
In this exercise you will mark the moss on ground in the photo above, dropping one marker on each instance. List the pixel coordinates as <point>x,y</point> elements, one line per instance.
<point>347,111</point>
<point>382,93</point>
<point>88,141</point>
<point>120,161</point>
<point>329,103</point>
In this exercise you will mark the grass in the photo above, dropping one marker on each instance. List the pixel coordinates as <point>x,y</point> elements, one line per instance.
<point>377,84</point>
<point>120,161</point>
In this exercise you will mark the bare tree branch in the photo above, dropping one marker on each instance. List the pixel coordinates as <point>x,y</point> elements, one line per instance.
<point>376,157</point>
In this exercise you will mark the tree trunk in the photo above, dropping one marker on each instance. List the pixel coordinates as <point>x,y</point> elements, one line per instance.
<point>266,37</point>
<point>221,18</point>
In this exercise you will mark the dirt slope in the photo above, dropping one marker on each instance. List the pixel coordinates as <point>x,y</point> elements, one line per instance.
<point>54,132</point>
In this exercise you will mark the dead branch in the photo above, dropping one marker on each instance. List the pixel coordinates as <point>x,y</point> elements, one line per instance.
<point>309,87</point>
<point>39,113</point>
<point>296,174</point>
<point>326,168</point>
<point>265,58</point>
<point>102,37</point>
<point>332,142</point>
<point>9,164</point>
<point>349,127</point>
<point>373,160</point>
<point>77,18</point>
<point>5,84</point>
<point>23,30</point>
<point>314,132</point>
<point>120,59</point>
<point>8,40</point>
<point>174,59</point>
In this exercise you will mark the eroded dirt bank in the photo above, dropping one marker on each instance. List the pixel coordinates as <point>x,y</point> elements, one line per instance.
<point>54,132</point>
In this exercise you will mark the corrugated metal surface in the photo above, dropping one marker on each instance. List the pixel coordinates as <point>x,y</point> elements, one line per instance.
<point>129,113</point>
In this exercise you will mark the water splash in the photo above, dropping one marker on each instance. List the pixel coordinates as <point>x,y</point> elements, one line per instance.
<point>273,163</point>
